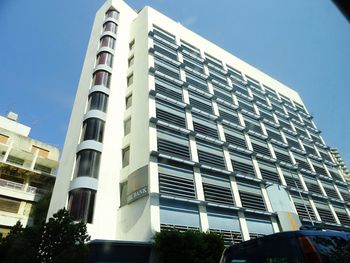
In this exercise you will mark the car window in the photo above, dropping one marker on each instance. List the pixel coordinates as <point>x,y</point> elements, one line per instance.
<point>332,248</point>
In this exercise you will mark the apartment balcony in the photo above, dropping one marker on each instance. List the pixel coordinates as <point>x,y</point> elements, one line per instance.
<point>21,191</point>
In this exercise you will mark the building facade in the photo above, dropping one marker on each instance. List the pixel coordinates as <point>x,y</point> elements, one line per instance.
<point>169,130</point>
<point>27,168</point>
<point>339,160</point>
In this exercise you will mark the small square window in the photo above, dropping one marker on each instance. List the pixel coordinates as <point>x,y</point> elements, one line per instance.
<point>131,61</point>
<point>126,156</point>
<point>128,101</point>
<point>127,127</point>
<point>130,79</point>
<point>4,138</point>
<point>132,44</point>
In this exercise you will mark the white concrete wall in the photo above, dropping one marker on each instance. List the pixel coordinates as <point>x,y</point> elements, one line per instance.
<point>65,172</point>
<point>107,198</point>
<point>135,218</point>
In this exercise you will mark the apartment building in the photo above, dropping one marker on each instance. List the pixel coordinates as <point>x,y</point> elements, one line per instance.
<point>27,172</point>
<point>169,130</point>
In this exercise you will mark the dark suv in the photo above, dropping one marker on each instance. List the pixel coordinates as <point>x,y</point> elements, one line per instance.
<point>302,246</point>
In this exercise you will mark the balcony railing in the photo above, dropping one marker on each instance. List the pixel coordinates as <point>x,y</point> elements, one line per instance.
<point>21,187</point>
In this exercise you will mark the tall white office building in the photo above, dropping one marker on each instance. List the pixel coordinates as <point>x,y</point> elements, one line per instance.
<point>168,130</point>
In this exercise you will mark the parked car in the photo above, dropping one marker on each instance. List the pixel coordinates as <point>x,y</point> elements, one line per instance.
<point>303,246</point>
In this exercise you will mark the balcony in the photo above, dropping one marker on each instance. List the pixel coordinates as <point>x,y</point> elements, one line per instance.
<point>21,187</point>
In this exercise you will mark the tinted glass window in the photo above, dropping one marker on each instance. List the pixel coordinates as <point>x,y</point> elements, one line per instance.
<point>332,249</point>
<point>98,101</point>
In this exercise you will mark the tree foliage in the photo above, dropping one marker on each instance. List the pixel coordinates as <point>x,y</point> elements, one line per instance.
<point>58,240</point>
<point>60,235</point>
<point>173,246</point>
<point>39,210</point>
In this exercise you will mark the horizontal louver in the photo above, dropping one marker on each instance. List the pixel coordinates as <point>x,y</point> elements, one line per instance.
<point>171,118</point>
<point>261,149</point>
<point>283,157</point>
<point>326,215</point>
<point>176,186</point>
<point>232,117</point>
<point>266,115</point>
<point>293,182</point>
<point>313,188</point>
<point>211,159</point>
<point>303,213</point>
<point>243,168</point>
<point>229,237</point>
<point>205,130</point>
<point>252,201</point>
<point>236,140</point>
<point>274,135</point>
<point>343,218</point>
<point>176,95</point>
<point>173,149</point>
<point>207,107</point>
<point>270,175</point>
<point>320,170</point>
<point>346,196</point>
<point>167,227</point>
<point>253,127</point>
<point>331,192</point>
<point>217,194</point>
<point>165,51</point>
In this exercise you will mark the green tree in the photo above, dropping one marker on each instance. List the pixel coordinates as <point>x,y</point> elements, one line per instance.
<point>39,210</point>
<point>7,242</point>
<point>173,246</point>
<point>58,240</point>
<point>63,240</point>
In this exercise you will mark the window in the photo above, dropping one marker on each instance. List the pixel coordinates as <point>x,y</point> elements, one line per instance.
<point>105,58</point>
<point>176,179</point>
<point>132,44</point>
<point>101,78</point>
<point>42,168</point>
<point>250,193</point>
<point>172,143</point>
<point>93,129</point>
<point>3,138</point>
<point>15,160</point>
<point>42,152</point>
<point>168,88</point>
<point>88,163</point>
<point>210,154</point>
<point>163,35</point>
<point>126,156</point>
<point>178,214</point>
<point>98,101</point>
<point>107,41</point>
<point>9,205</point>
<point>204,125</point>
<point>131,61</point>
<point>113,14</point>
<point>242,164</point>
<point>127,126</point>
<point>81,204</point>
<point>234,73</point>
<point>166,68</point>
<point>110,26</point>
<point>128,101</point>
<point>130,80</point>
<point>171,114</point>
<point>217,188</point>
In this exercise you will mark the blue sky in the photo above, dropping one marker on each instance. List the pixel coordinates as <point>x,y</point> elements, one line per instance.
<point>303,44</point>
